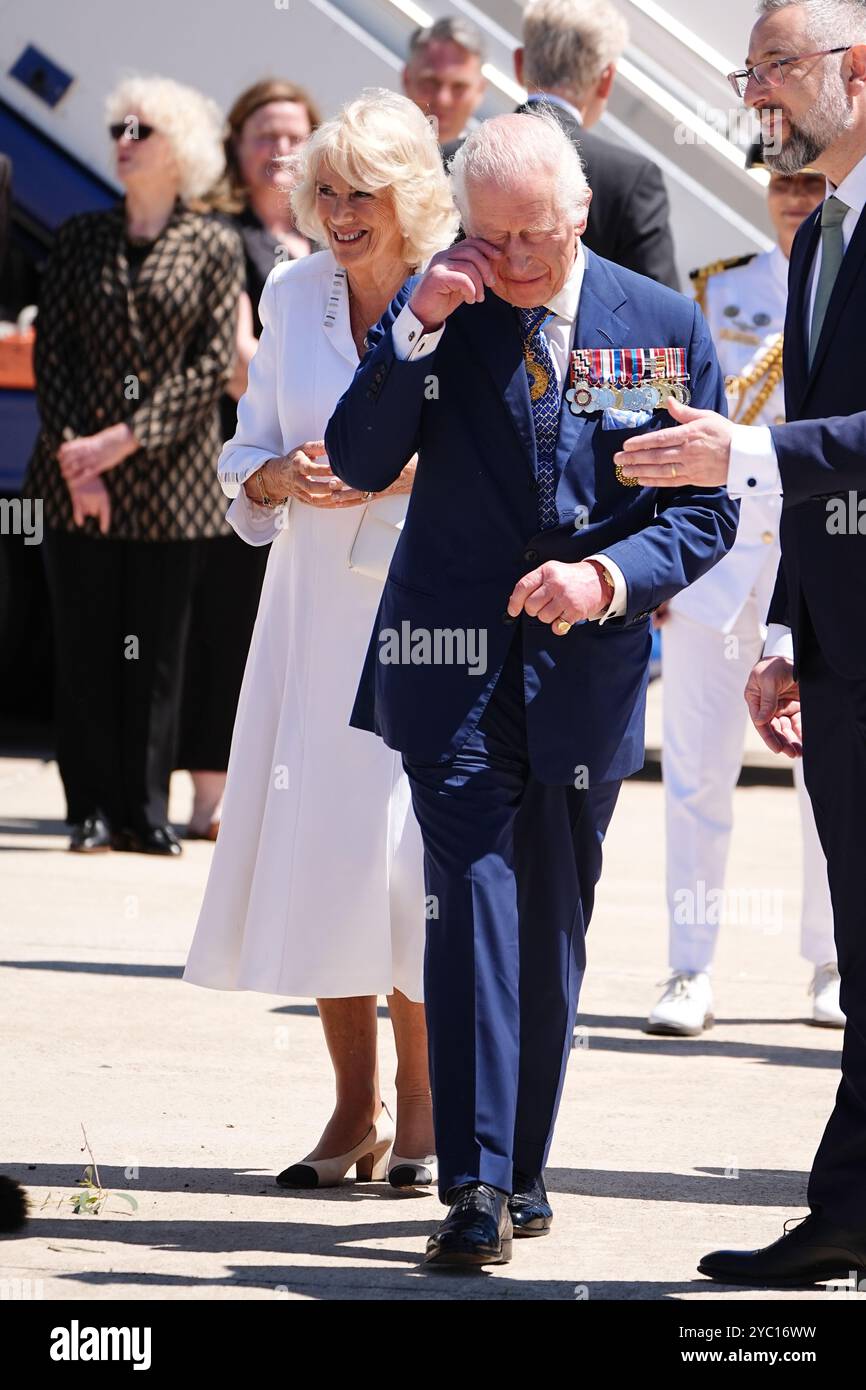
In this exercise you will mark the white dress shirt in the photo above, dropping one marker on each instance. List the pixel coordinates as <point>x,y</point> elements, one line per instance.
<point>754,467</point>
<point>553,99</point>
<point>411,341</point>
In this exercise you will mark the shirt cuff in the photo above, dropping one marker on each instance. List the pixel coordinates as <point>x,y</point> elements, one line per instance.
<point>236,465</point>
<point>619,603</point>
<point>754,469</point>
<point>411,339</point>
<point>779,641</point>
<point>254,524</point>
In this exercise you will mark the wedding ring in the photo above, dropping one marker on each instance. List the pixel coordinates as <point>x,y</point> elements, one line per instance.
<point>673,470</point>
<point>561,627</point>
<point>367,496</point>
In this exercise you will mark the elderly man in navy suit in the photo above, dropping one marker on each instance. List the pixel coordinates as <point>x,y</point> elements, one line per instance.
<point>807,66</point>
<point>509,658</point>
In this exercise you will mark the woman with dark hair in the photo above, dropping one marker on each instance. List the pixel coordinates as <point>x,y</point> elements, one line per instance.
<point>269,121</point>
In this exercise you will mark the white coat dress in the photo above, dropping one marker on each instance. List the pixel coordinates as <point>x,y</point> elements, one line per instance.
<point>316,885</point>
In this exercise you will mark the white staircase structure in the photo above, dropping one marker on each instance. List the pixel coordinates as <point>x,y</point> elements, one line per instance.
<point>670,101</point>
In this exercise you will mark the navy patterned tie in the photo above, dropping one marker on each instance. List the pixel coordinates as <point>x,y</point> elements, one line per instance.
<point>544,394</point>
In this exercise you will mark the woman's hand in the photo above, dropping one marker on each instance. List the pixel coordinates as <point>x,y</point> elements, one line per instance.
<point>83,459</point>
<point>245,346</point>
<point>303,474</point>
<point>91,499</point>
<point>403,482</point>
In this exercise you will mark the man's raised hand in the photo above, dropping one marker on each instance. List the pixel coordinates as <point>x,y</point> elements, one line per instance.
<point>454,277</point>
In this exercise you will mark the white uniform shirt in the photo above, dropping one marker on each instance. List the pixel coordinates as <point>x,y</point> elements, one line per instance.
<point>745,312</point>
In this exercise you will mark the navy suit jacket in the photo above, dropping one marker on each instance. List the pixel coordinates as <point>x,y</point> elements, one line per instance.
<point>471,528</point>
<point>822,456</point>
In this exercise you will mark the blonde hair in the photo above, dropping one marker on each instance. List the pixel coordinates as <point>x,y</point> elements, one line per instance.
<point>192,122</point>
<point>382,141</point>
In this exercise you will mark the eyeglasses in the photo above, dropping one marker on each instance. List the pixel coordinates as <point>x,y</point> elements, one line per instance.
<point>121,128</point>
<point>772,73</point>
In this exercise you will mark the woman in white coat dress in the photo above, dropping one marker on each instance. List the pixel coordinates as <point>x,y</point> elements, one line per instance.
<point>316,886</point>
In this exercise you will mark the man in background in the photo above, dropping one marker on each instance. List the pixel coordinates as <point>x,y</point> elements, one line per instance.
<point>713,634</point>
<point>568,62</point>
<point>443,76</point>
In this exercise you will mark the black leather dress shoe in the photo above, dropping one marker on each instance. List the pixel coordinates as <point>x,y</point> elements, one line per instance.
<point>531,1213</point>
<point>157,839</point>
<point>476,1231</point>
<point>813,1251</point>
<point>91,836</point>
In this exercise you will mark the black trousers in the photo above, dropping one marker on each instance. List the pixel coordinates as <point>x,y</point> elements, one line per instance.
<point>121,612</point>
<point>226,592</point>
<point>834,766</point>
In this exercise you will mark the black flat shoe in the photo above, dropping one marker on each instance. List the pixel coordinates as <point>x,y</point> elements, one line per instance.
<point>476,1231</point>
<point>157,839</point>
<point>90,837</point>
<point>531,1213</point>
<point>811,1252</point>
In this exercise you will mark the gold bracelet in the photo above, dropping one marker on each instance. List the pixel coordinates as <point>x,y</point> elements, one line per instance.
<point>266,500</point>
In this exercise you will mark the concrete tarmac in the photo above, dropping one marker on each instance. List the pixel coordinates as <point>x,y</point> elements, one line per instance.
<point>192,1099</point>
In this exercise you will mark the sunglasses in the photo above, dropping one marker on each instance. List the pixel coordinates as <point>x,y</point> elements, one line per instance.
<point>122,128</point>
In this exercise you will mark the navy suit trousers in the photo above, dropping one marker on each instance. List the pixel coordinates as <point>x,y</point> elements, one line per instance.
<point>511,866</point>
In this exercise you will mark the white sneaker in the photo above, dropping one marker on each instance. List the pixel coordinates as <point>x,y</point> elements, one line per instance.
<point>826,1012</point>
<point>686,1007</point>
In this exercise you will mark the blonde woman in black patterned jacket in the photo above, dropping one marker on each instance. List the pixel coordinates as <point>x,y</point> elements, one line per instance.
<point>135,343</point>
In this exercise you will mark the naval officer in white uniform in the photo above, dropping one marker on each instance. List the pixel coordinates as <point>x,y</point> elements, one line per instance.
<point>714,633</point>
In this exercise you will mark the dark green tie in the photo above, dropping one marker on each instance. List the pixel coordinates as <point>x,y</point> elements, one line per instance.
<point>832,250</point>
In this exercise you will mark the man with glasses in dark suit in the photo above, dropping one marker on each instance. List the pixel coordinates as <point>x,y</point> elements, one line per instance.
<point>806,72</point>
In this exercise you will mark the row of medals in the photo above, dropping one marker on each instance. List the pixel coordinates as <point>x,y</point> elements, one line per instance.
<point>586,395</point>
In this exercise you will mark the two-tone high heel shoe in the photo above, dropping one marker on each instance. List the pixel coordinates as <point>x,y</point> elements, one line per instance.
<point>370,1158</point>
<point>413,1172</point>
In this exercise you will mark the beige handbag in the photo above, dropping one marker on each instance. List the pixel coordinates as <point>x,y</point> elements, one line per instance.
<point>377,536</point>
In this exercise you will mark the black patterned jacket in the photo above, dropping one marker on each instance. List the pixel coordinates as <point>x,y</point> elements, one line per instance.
<point>155,354</point>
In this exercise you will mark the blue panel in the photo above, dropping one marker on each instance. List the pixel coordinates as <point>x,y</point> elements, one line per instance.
<point>19,425</point>
<point>40,76</point>
<point>48,184</point>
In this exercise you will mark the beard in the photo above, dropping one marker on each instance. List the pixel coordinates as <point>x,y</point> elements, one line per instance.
<point>829,117</point>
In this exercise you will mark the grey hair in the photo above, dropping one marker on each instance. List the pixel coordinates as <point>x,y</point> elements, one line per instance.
<point>829,22</point>
<point>451,29</point>
<point>569,43</point>
<point>508,149</point>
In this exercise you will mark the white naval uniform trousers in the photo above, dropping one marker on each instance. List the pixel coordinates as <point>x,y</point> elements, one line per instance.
<point>704,671</point>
